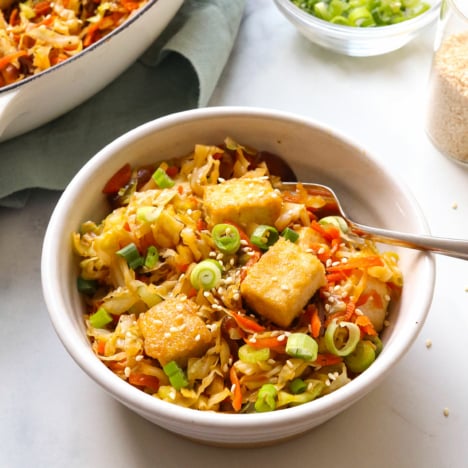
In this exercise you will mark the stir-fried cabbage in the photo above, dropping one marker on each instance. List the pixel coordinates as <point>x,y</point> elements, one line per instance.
<point>178,336</point>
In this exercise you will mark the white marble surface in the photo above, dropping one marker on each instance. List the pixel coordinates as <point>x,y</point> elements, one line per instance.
<point>53,415</point>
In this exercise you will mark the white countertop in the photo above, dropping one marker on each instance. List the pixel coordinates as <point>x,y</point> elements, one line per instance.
<point>53,415</point>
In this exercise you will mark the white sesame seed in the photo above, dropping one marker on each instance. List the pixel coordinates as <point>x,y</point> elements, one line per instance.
<point>428,343</point>
<point>281,338</point>
<point>289,364</point>
<point>139,358</point>
<point>189,211</point>
<point>127,371</point>
<point>387,297</point>
<point>454,205</point>
<point>167,335</point>
<point>198,337</point>
<point>446,412</point>
<point>285,287</point>
<point>321,250</point>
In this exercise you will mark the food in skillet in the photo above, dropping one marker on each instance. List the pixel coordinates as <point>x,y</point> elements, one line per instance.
<point>210,287</point>
<point>38,34</point>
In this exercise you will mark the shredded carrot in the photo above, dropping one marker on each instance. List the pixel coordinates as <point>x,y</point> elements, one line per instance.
<point>237,391</point>
<point>143,380</point>
<point>371,295</point>
<point>364,323</point>
<point>358,262</point>
<point>101,347</point>
<point>315,323</point>
<point>329,232</point>
<point>246,323</point>
<point>90,34</point>
<point>271,342</point>
<point>7,59</point>
<point>13,16</point>
<point>201,224</point>
<point>327,359</point>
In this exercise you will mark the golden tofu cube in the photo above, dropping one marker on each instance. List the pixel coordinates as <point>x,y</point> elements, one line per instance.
<point>245,201</point>
<point>281,283</point>
<point>172,331</point>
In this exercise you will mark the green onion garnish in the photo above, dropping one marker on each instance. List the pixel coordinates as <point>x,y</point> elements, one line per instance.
<point>297,386</point>
<point>302,346</point>
<point>162,179</point>
<point>132,256</point>
<point>100,318</point>
<point>361,358</point>
<point>363,13</point>
<point>206,274</point>
<point>290,235</point>
<point>336,221</point>
<point>176,375</point>
<point>264,236</point>
<point>86,286</point>
<point>226,238</point>
<point>266,398</point>
<point>152,257</point>
<point>341,338</point>
<point>252,355</point>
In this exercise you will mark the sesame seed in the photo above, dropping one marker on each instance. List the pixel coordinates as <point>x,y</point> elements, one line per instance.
<point>221,180</point>
<point>428,343</point>
<point>198,337</point>
<point>139,358</point>
<point>454,205</point>
<point>212,254</point>
<point>179,307</point>
<point>335,263</point>
<point>127,371</point>
<point>446,412</point>
<point>167,335</point>
<point>189,211</point>
<point>321,250</point>
<point>328,263</point>
<point>387,297</point>
<point>236,296</point>
<point>281,338</point>
<point>285,287</point>
<point>244,242</point>
<point>344,260</point>
<point>289,364</point>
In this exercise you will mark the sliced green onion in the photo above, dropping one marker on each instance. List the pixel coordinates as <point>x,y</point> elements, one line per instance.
<point>341,338</point>
<point>361,358</point>
<point>377,342</point>
<point>266,398</point>
<point>162,179</point>
<point>152,257</point>
<point>289,399</point>
<point>226,238</point>
<point>290,235</point>
<point>132,256</point>
<point>100,318</point>
<point>297,386</point>
<point>336,221</point>
<point>302,346</point>
<point>252,355</point>
<point>176,375</point>
<point>264,236</point>
<point>206,274</point>
<point>86,286</point>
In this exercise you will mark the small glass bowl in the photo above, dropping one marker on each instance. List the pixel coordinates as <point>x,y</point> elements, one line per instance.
<point>355,41</point>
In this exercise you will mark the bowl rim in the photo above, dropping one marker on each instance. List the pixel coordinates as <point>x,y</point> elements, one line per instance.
<point>72,338</point>
<point>306,20</point>
<point>117,31</point>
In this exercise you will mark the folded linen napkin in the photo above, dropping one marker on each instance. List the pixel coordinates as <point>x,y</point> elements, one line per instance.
<point>178,72</point>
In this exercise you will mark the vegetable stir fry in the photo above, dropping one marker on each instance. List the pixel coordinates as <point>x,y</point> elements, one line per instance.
<point>363,13</point>
<point>210,287</point>
<point>38,34</point>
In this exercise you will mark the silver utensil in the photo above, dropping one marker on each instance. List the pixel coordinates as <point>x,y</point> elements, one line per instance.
<point>457,248</point>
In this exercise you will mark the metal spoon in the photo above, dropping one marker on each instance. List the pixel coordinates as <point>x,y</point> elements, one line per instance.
<point>457,248</point>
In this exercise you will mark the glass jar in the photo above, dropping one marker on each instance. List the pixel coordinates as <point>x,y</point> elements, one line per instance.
<point>447,117</point>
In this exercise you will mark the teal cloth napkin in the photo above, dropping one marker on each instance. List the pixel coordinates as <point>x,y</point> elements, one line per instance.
<point>178,72</point>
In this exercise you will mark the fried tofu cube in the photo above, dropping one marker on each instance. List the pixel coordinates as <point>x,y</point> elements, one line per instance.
<point>243,201</point>
<point>172,331</point>
<point>281,283</point>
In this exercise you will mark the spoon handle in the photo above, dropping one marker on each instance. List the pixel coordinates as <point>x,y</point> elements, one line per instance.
<point>457,248</point>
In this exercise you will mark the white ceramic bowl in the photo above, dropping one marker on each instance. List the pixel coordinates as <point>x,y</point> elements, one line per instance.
<point>369,191</point>
<point>354,41</point>
<point>40,98</point>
